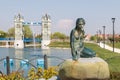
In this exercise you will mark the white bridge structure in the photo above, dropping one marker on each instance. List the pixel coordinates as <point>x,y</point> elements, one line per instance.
<point>19,35</point>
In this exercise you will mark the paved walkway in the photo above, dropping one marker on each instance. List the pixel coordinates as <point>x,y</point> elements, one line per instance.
<point>109,47</point>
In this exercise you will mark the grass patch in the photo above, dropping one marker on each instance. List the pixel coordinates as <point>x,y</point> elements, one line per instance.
<point>117,45</point>
<point>112,58</point>
<point>60,44</point>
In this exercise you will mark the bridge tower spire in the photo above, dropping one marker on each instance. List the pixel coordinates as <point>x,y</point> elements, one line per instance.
<point>46,30</point>
<point>19,36</point>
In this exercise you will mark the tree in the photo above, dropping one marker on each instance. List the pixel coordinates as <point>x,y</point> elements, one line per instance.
<point>3,34</point>
<point>27,32</point>
<point>58,35</point>
<point>11,32</point>
<point>38,36</point>
<point>93,38</point>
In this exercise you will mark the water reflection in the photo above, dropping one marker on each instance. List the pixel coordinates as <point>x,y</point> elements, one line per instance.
<point>24,59</point>
<point>18,55</point>
<point>11,65</point>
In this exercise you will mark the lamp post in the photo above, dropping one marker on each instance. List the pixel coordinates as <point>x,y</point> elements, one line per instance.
<point>113,21</point>
<point>104,35</point>
<point>97,36</point>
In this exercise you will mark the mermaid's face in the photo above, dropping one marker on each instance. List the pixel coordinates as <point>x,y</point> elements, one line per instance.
<point>80,23</point>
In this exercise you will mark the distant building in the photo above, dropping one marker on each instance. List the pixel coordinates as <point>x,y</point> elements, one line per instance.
<point>101,36</point>
<point>88,36</point>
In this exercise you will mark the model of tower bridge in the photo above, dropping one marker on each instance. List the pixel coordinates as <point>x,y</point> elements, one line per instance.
<point>19,36</point>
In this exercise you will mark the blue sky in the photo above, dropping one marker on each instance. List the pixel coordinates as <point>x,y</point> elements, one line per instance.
<point>97,13</point>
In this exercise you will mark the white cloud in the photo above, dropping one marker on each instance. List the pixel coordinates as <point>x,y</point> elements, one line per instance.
<point>64,26</point>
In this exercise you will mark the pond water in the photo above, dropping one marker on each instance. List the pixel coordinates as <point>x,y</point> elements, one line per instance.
<point>34,56</point>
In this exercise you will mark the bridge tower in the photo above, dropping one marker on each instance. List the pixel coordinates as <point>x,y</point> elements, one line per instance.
<point>46,30</point>
<point>19,36</point>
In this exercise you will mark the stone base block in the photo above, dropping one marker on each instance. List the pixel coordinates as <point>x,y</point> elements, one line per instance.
<point>84,69</point>
<point>19,44</point>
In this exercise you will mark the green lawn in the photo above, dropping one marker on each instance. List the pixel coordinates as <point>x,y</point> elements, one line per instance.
<point>112,58</point>
<point>117,45</point>
<point>60,44</point>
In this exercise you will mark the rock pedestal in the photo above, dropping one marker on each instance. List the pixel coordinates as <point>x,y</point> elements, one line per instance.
<point>84,69</point>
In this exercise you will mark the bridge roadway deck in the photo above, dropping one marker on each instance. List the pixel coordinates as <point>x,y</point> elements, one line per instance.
<point>7,40</point>
<point>26,40</point>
